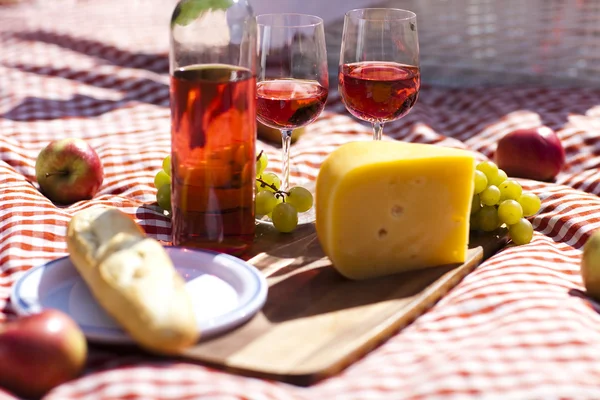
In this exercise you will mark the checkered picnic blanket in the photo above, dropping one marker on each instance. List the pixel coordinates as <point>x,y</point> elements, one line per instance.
<point>513,329</point>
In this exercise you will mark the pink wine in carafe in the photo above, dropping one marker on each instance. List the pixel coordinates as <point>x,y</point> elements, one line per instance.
<point>213,157</point>
<point>379,91</point>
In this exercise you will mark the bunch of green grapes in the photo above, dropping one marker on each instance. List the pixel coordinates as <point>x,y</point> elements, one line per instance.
<point>282,207</point>
<point>499,201</point>
<point>162,182</point>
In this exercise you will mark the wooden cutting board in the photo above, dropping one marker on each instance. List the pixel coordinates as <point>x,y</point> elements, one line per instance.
<point>315,322</point>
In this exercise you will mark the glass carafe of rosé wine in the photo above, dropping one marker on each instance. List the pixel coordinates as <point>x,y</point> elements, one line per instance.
<point>213,124</point>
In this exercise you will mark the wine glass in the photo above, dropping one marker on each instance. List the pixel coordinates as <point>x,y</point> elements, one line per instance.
<point>292,81</point>
<point>379,76</point>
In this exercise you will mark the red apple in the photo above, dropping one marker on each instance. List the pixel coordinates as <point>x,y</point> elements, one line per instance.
<point>69,170</point>
<point>39,352</point>
<point>534,153</point>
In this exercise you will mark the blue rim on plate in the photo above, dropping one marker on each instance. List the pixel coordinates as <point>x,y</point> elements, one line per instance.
<point>252,290</point>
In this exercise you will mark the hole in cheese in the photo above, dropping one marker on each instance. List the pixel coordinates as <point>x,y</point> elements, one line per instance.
<point>382,233</point>
<point>397,211</point>
<point>419,181</point>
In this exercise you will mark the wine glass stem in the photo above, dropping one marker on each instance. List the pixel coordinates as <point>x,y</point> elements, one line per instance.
<point>286,142</point>
<point>377,130</point>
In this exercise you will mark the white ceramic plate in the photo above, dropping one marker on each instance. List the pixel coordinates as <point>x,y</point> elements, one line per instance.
<point>225,291</point>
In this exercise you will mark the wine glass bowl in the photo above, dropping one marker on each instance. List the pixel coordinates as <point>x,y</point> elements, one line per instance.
<point>289,103</point>
<point>379,76</point>
<point>293,81</point>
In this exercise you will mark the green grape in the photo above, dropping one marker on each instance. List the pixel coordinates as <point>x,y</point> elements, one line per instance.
<point>167,165</point>
<point>531,204</point>
<point>300,198</point>
<point>265,202</point>
<point>490,196</point>
<point>261,163</point>
<point>284,217</point>
<point>481,181</point>
<point>499,178</point>
<point>521,232</point>
<point>161,179</point>
<point>163,197</point>
<point>488,218</point>
<point>510,190</point>
<point>475,204</point>
<point>489,169</point>
<point>270,179</point>
<point>510,212</point>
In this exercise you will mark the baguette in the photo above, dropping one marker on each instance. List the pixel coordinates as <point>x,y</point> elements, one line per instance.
<point>133,279</point>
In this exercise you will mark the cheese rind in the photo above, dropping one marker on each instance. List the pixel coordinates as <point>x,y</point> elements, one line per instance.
<point>386,207</point>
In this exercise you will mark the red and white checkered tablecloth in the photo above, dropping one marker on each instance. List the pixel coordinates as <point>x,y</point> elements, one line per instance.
<point>511,330</point>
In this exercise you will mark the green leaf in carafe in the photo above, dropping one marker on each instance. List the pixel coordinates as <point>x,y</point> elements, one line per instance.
<point>188,10</point>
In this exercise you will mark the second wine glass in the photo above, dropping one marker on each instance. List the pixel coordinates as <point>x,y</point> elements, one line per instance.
<point>292,82</point>
<point>379,77</point>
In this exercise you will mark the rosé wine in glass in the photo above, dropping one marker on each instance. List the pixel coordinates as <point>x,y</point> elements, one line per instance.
<point>379,91</point>
<point>293,80</point>
<point>379,77</point>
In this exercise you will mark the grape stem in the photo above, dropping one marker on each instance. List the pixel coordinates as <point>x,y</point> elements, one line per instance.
<point>259,154</point>
<point>278,193</point>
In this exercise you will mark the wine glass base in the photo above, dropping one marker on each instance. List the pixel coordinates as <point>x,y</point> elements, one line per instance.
<point>270,241</point>
<point>304,218</point>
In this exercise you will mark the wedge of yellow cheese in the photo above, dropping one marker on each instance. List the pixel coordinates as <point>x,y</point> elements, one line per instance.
<point>387,207</point>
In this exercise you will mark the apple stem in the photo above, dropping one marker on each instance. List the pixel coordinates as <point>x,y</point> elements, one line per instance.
<point>48,174</point>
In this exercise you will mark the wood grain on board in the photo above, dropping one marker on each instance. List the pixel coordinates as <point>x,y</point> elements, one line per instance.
<point>316,322</point>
